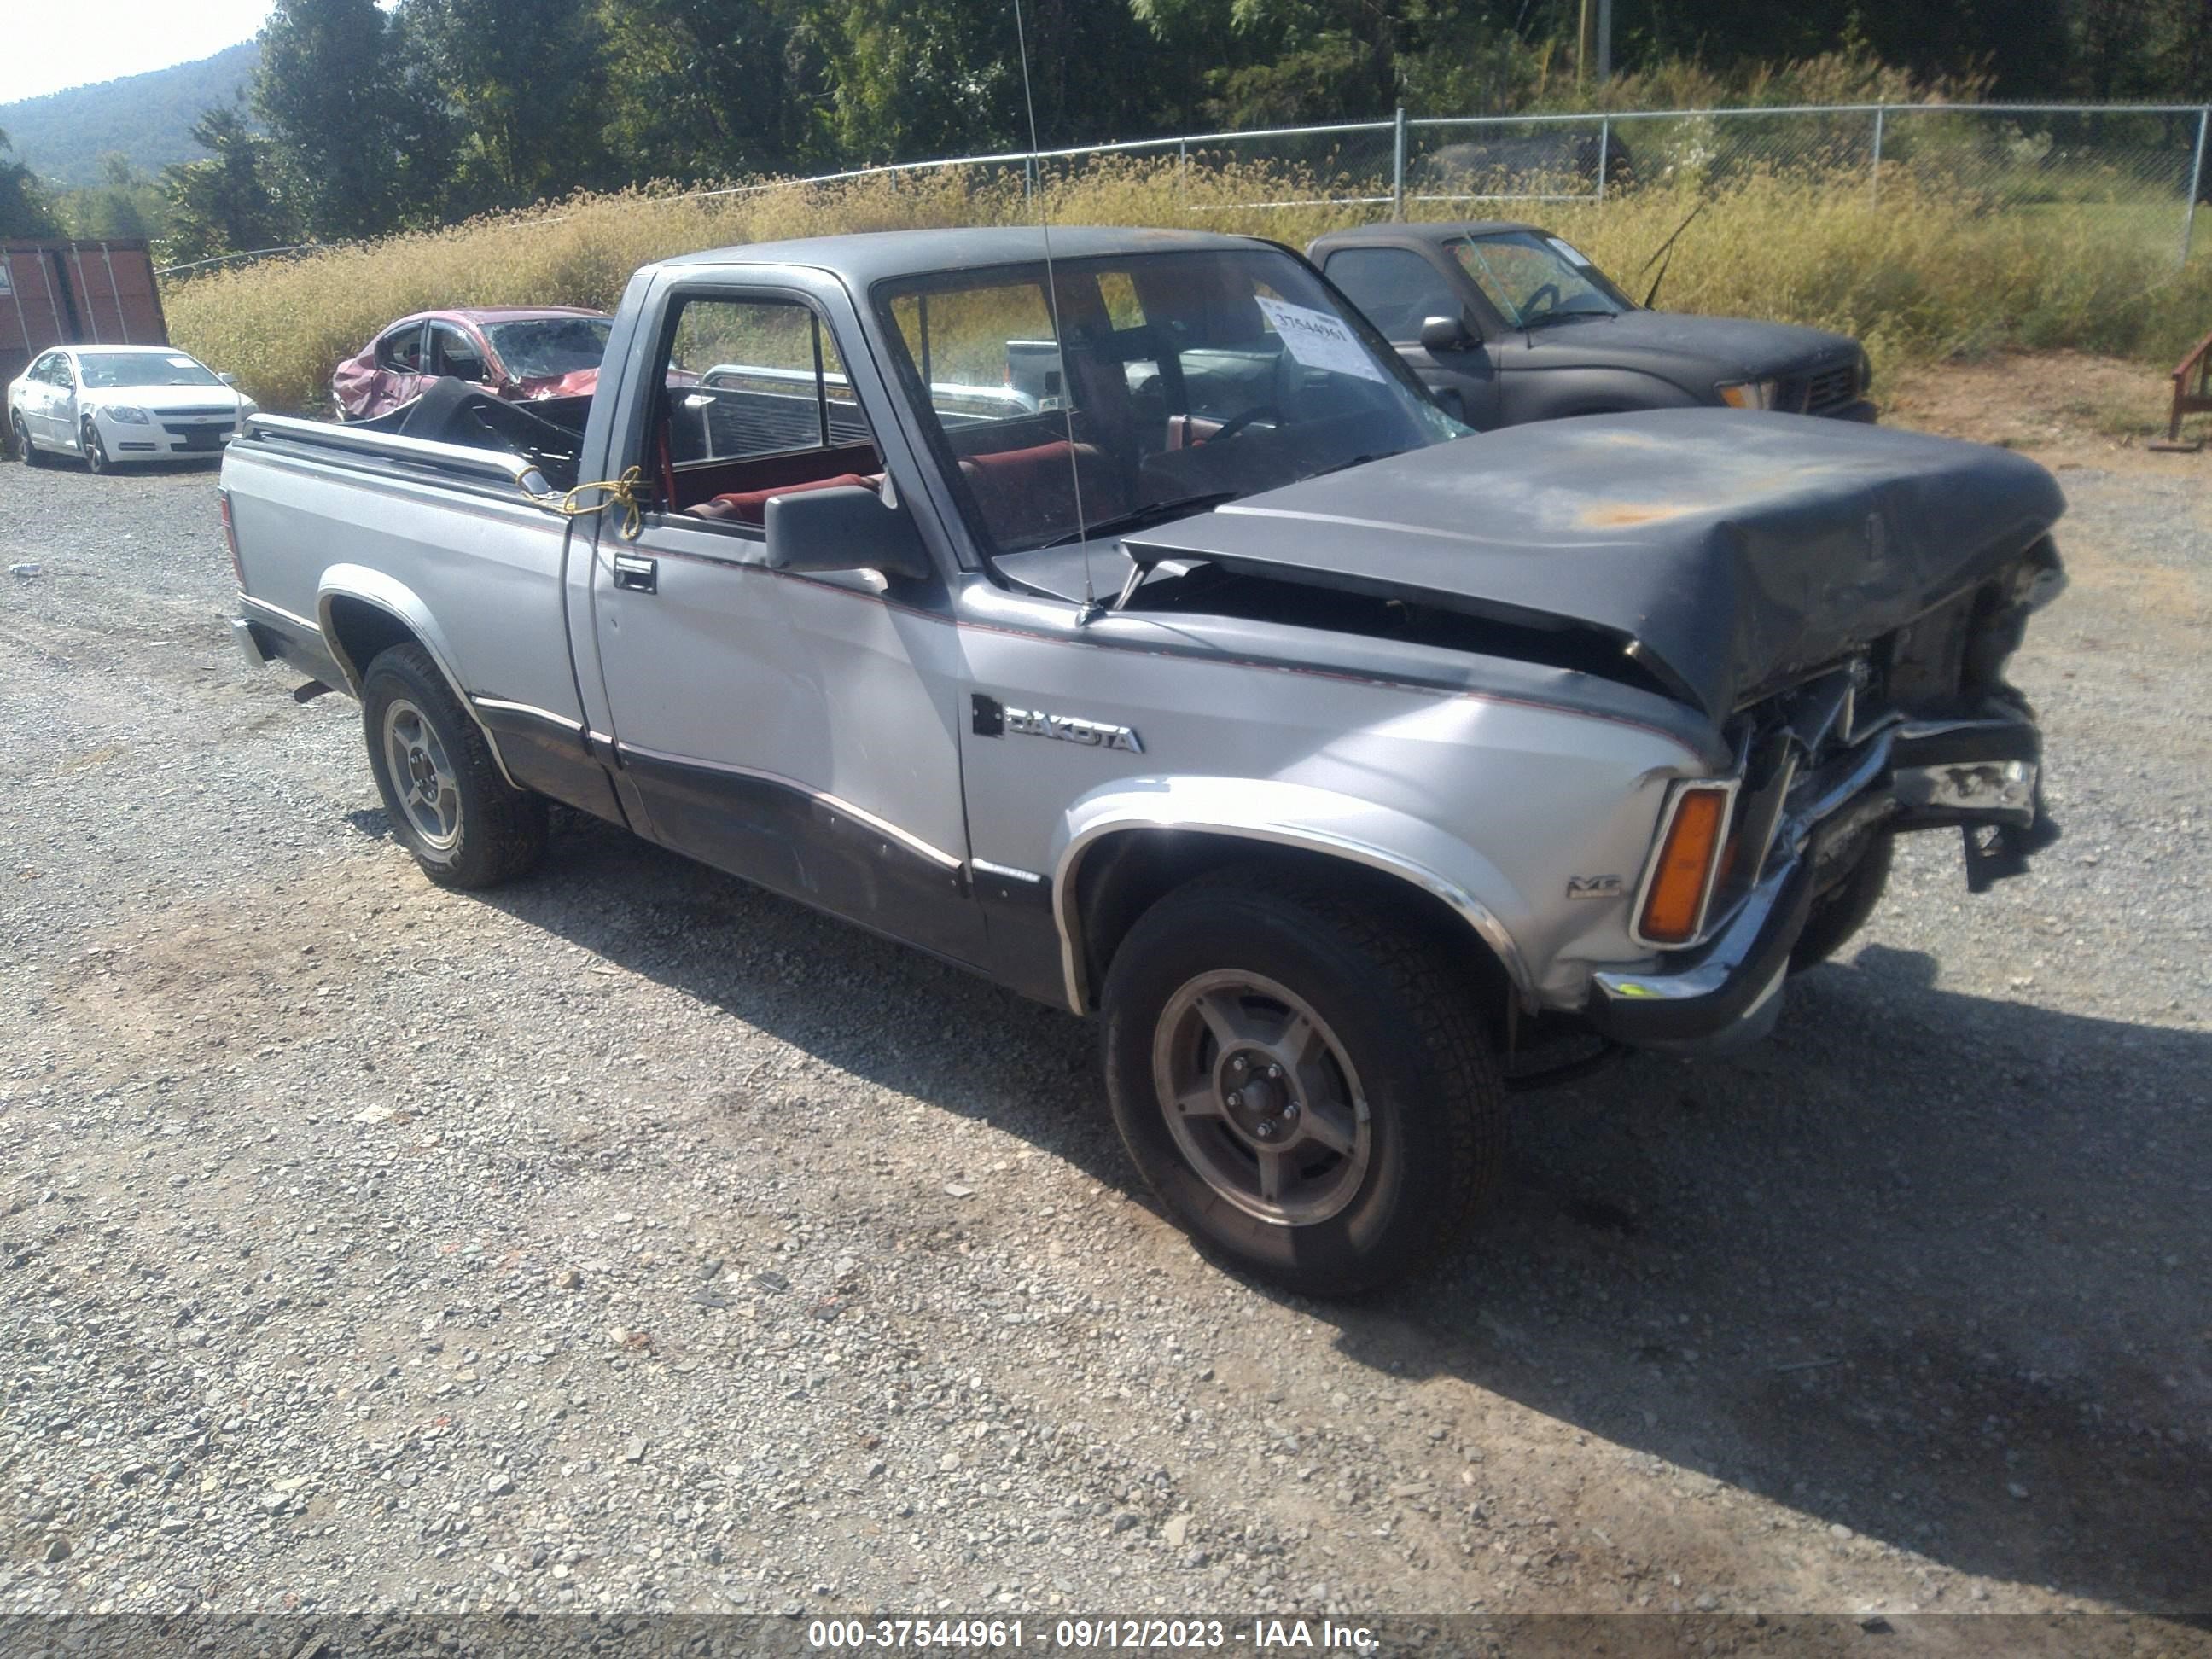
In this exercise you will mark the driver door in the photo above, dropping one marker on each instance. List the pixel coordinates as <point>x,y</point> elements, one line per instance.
<point>800,731</point>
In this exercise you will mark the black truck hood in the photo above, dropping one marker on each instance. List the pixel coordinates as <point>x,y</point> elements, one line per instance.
<point>1695,352</point>
<point>1728,551</point>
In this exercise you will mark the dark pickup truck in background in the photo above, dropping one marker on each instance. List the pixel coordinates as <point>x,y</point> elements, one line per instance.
<point>1506,323</point>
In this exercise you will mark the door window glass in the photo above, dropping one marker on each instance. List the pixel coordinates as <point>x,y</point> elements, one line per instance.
<point>752,378</point>
<point>1397,289</point>
<point>757,404</point>
<point>456,354</point>
<point>401,351</point>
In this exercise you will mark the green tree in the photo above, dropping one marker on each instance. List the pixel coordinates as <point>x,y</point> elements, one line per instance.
<point>24,208</point>
<point>125,204</point>
<point>713,88</point>
<point>914,79</point>
<point>333,91</point>
<point>2113,47</point>
<point>524,81</point>
<point>229,203</point>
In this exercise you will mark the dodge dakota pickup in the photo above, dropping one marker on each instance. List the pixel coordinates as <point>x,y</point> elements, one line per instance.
<point>1119,619</point>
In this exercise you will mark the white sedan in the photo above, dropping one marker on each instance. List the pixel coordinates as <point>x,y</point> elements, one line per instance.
<point>109,405</point>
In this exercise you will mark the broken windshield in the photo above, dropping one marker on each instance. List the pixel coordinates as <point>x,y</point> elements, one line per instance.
<point>1175,381</point>
<point>548,348</point>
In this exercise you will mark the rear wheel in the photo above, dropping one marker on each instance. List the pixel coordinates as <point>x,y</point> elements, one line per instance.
<point>448,803</point>
<point>1303,1080</point>
<point>95,453</point>
<point>26,451</point>
<point>1838,914</point>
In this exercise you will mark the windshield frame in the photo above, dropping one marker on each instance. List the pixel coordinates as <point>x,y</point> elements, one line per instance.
<point>905,374</point>
<point>1548,243</point>
<point>162,358</point>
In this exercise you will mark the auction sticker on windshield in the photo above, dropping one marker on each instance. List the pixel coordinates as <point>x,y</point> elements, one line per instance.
<point>1574,255</point>
<point>1319,340</point>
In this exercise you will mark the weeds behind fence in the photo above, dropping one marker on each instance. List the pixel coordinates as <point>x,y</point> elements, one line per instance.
<point>1929,266</point>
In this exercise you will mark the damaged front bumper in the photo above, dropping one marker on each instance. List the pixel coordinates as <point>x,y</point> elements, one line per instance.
<point>1981,775</point>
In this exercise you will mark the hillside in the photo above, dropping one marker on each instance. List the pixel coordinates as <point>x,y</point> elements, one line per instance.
<point>148,118</point>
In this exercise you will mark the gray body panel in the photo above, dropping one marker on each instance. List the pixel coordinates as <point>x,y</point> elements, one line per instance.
<point>846,736</point>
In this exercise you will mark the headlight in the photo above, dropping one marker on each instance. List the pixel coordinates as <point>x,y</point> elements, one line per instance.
<point>246,406</point>
<point>128,416</point>
<point>1748,394</point>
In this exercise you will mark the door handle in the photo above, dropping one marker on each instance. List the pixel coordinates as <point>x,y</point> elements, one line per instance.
<point>639,575</point>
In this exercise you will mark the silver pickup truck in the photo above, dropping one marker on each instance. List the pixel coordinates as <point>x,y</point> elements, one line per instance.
<point>1355,770</point>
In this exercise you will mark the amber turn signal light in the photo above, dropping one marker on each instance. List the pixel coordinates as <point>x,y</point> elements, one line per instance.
<point>1675,903</point>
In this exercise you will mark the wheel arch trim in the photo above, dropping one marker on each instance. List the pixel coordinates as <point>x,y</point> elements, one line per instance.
<point>1280,814</point>
<point>372,588</point>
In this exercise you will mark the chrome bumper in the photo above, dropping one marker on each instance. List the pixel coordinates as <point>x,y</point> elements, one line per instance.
<point>1981,776</point>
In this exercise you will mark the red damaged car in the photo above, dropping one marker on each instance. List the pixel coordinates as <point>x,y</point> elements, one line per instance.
<point>516,353</point>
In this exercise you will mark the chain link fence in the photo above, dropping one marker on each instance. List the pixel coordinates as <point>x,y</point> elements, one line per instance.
<point>2137,169</point>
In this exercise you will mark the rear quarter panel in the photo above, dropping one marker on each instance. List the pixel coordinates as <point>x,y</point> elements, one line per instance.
<point>487,569</point>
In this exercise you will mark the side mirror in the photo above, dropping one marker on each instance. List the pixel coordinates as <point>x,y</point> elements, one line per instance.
<point>1446,334</point>
<point>845,528</point>
<point>228,379</point>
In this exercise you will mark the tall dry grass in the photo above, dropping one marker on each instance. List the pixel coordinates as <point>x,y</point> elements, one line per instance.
<point>1924,272</point>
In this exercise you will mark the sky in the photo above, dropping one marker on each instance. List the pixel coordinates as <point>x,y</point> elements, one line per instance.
<point>54,44</point>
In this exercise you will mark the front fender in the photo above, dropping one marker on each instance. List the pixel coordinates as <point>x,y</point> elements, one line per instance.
<point>1288,815</point>
<point>1555,394</point>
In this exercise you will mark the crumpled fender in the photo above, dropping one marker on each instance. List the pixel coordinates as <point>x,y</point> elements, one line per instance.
<point>1286,814</point>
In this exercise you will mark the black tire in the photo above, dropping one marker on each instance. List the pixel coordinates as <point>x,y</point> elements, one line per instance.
<point>95,453</point>
<point>1840,913</point>
<point>26,451</point>
<point>493,832</point>
<point>1399,1029</point>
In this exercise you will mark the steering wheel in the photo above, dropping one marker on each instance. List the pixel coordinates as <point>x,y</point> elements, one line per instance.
<point>1531,308</point>
<point>1236,424</point>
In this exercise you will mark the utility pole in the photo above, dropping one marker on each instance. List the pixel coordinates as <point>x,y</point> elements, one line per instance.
<point>1604,39</point>
<point>1585,43</point>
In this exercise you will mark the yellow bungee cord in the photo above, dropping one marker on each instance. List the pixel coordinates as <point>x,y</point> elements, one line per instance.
<point>620,492</point>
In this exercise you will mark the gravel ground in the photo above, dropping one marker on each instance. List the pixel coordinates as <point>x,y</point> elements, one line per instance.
<point>630,1239</point>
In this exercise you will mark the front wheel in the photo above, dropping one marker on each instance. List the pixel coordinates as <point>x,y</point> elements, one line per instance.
<point>26,451</point>
<point>448,804</point>
<point>95,453</point>
<point>1838,914</point>
<point>1304,1082</point>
